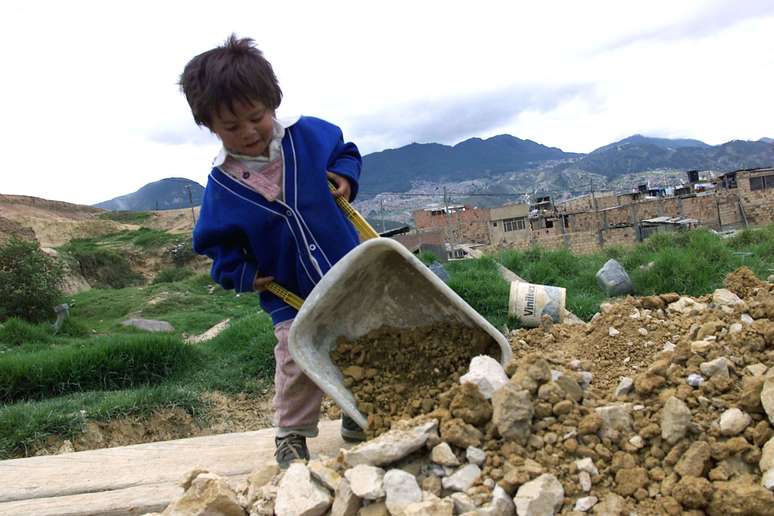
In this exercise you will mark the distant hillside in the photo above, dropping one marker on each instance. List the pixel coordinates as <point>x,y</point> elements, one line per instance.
<point>766,140</point>
<point>167,194</point>
<point>663,143</point>
<point>638,154</point>
<point>396,169</point>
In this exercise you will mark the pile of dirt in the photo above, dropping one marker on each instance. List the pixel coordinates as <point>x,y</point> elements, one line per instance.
<point>400,373</point>
<point>661,405</point>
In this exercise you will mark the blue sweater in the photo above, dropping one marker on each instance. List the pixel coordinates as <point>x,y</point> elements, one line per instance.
<point>296,240</point>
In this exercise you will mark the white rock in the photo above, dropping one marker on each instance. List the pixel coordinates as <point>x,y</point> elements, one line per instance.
<point>462,503</point>
<point>575,364</point>
<point>687,306</point>
<point>767,396</point>
<point>555,375</point>
<point>584,479</point>
<point>401,489</point>
<point>695,380</point>
<point>512,412</point>
<point>745,318</point>
<point>299,495</point>
<point>642,331</point>
<point>733,422</point>
<point>735,328</point>
<point>345,502</point>
<point>613,332</point>
<point>586,503</point>
<point>587,465</point>
<point>615,417</point>
<point>586,377</point>
<point>719,366</point>
<point>325,475</point>
<point>500,505</point>
<point>486,373</point>
<point>475,455</point>
<point>675,419</point>
<point>435,507</point>
<point>462,479</point>
<point>767,456</point>
<point>700,346</point>
<point>668,346</point>
<point>757,369</point>
<point>208,493</point>
<point>442,454</point>
<point>390,446</point>
<point>606,307</point>
<point>767,480</point>
<point>637,442</point>
<point>540,497</point>
<point>625,386</point>
<point>724,297</point>
<point>366,481</point>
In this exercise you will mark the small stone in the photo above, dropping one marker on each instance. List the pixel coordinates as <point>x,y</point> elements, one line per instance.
<point>695,380</point>
<point>718,367</point>
<point>643,332</point>
<point>513,411</point>
<point>366,481</point>
<point>401,490</point>
<point>462,479</point>
<point>486,373</point>
<point>615,418</point>
<point>345,502</point>
<point>733,422</point>
<point>746,319</point>
<point>625,386</point>
<point>585,504</point>
<point>462,503</point>
<point>668,346</point>
<point>695,460</point>
<point>433,507</point>
<point>298,494</point>
<point>587,465</point>
<point>327,476</point>
<point>735,328</point>
<point>374,509</point>
<point>585,377</point>
<point>584,479</point>
<point>767,397</point>
<point>724,297</point>
<point>542,496</point>
<point>443,455</point>
<point>390,446</point>
<point>767,480</point>
<point>637,442</point>
<point>629,480</point>
<point>700,346</point>
<point>475,455</point>
<point>500,505</point>
<point>675,418</point>
<point>613,332</point>
<point>767,456</point>
<point>757,369</point>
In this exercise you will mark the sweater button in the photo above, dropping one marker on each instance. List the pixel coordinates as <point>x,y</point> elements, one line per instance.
<point>289,213</point>
<point>312,247</point>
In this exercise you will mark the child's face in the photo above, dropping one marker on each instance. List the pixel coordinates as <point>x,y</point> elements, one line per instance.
<point>247,130</point>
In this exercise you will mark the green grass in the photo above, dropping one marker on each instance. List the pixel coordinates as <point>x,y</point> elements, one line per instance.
<point>97,369</point>
<point>127,217</point>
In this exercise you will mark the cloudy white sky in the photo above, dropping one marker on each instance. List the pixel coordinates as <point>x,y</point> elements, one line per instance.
<point>91,110</point>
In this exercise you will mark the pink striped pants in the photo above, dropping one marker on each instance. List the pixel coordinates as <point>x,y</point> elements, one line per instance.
<point>296,398</point>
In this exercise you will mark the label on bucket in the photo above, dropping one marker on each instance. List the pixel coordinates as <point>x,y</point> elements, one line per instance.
<point>530,302</point>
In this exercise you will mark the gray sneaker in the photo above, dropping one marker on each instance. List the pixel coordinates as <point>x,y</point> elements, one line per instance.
<point>350,432</point>
<point>290,449</point>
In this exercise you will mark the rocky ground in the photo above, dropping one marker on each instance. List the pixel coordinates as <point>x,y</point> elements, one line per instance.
<point>660,405</point>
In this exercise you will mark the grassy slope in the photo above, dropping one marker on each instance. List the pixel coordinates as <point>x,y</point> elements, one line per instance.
<point>240,360</point>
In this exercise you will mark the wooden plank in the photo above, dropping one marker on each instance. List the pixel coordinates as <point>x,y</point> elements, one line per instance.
<point>118,476</point>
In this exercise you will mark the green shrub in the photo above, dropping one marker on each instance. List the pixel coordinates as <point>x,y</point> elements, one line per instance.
<point>172,275</point>
<point>478,282</point>
<point>102,364</point>
<point>17,332</point>
<point>181,253</point>
<point>427,257</point>
<point>30,281</point>
<point>105,268</point>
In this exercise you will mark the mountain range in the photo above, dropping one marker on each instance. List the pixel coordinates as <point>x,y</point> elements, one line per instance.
<point>529,164</point>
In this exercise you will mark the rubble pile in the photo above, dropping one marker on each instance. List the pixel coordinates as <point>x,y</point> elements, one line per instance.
<point>660,405</point>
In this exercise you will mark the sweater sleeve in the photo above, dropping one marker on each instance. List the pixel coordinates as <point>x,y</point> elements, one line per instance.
<point>345,160</point>
<point>232,267</point>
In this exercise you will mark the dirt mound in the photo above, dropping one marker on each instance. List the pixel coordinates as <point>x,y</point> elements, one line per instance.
<point>661,405</point>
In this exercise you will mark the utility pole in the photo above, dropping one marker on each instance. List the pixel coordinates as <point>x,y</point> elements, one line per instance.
<point>381,211</point>
<point>449,230</point>
<point>190,202</point>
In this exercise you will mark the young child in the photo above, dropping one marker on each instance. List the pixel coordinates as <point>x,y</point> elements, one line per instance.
<point>267,211</point>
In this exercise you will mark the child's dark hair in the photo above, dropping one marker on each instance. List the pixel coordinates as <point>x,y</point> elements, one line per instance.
<point>236,71</point>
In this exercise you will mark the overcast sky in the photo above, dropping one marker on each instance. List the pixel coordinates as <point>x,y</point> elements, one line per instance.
<point>91,109</point>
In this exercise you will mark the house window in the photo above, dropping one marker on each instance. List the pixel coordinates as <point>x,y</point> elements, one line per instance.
<point>549,223</point>
<point>757,183</point>
<point>517,224</point>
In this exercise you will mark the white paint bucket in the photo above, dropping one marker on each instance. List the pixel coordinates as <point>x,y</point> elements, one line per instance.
<point>530,302</point>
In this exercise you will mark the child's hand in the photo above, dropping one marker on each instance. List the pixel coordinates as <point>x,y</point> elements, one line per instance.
<point>343,188</point>
<point>260,283</point>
